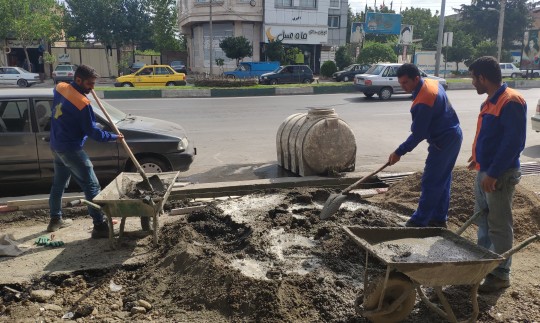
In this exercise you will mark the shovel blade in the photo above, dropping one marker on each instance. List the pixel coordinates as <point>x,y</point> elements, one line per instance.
<point>153,184</point>
<point>332,205</point>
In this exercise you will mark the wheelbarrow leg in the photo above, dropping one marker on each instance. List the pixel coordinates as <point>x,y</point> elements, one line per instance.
<point>474,300</point>
<point>122,226</point>
<point>156,226</point>
<point>111,232</point>
<point>449,312</point>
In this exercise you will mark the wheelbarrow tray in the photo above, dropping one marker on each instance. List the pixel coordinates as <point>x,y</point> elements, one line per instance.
<point>429,256</point>
<point>118,201</point>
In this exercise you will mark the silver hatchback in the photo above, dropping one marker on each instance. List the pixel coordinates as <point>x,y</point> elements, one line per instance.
<point>64,73</point>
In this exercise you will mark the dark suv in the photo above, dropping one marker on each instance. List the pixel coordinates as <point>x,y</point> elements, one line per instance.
<point>288,74</point>
<point>179,66</point>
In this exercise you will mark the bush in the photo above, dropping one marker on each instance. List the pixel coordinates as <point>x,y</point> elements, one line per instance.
<point>328,68</point>
<point>223,82</point>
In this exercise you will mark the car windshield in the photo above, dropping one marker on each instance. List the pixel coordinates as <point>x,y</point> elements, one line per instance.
<point>277,70</point>
<point>375,70</point>
<point>64,68</point>
<point>349,68</point>
<point>176,63</point>
<point>115,114</point>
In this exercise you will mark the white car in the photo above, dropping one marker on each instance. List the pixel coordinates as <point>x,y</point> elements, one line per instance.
<point>381,79</point>
<point>535,119</point>
<point>17,76</point>
<point>510,70</point>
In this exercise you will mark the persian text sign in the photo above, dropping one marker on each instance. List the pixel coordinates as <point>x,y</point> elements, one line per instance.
<point>296,34</point>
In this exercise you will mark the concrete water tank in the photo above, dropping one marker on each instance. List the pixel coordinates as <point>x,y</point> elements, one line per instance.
<point>316,143</point>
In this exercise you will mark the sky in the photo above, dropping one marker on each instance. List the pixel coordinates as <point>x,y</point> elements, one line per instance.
<point>433,5</point>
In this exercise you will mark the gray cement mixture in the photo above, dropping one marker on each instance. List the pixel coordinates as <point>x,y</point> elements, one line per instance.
<point>265,257</point>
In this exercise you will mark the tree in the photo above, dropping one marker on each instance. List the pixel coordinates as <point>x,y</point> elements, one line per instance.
<point>374,52</point>
<point>426,26</point>
<point>328,68</point>
<point>461,50</point>
<point>164,27</point>
<point>485,48</point>
<point>28,21</point>
<point>343,59</point>
<point>236,48</point>
<point>275,51</point>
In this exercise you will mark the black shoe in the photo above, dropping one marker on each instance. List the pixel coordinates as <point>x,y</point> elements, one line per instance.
<point>57,223</point>
<point>100,231</point>
<point>437,224</point>
<point>492,284</point>
<point>410,224</point>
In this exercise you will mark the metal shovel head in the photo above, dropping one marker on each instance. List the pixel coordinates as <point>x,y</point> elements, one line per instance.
<point>332,205</point>
<point>154,184</point>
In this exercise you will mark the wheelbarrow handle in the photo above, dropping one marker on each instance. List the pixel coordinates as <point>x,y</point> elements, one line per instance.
<point>469,222</point>
<point>521,245</point>
<point>83,201</point>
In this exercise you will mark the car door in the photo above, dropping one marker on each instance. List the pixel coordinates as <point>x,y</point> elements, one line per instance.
<point>144,77</point>
<point>2,75</point>
<point>390,76</point>
<point>19,157</point>
<point>163,75</point>
<point>104,155</point>
<point>286,75</point>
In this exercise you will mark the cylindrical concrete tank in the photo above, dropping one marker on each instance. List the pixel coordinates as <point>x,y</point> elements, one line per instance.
<point>316,143</point>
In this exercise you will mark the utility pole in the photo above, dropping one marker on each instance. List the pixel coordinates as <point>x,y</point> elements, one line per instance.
<point>500,31</point>
<point>211,40</point>
<point>440,39</point>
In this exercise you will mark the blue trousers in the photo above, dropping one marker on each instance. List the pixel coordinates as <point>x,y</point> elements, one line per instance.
<point>495,225</point>
<point>436,181</point>
<point>74,164</point>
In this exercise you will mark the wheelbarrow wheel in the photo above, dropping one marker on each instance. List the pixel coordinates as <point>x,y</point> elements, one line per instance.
<point>398,284</point>
<point>146,223</point>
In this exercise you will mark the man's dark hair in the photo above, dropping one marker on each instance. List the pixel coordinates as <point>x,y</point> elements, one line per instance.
<point>488,67</point>
<point>408,69</point>
<point>85,72</point>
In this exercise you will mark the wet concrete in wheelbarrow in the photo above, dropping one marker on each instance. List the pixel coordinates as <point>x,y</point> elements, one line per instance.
<point>267,257</point>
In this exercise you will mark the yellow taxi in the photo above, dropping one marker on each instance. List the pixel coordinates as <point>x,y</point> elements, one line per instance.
<point>152,75</point>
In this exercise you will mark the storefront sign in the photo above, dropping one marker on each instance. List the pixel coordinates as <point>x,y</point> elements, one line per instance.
<point>13,43</point>
<point>296,34</point>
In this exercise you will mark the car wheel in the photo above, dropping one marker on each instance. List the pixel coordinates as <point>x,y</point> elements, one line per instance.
<point>369,95</point>
<point>515,75</point>
<point>170,84</point>
<point>127,84</point>
<point>22,83</point>
<point>385,93</point>
<point>346,79</point>
<point>274,81</point>
<point>152,165</point>
<point>306,81</point>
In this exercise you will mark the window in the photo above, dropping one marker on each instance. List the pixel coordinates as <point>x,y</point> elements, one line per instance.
<point>333,21</point>
<point>283,3</point>
<point>14,116</point>
<point>308,4</point>
<point>162,71</point>
<point>335,4</point>
<point>43,114</point>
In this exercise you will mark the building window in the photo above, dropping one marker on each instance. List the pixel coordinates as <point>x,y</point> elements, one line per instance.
<point>283,3</point>
<point>333,21</point>
<point>335,4</point>
<point>308,4</point>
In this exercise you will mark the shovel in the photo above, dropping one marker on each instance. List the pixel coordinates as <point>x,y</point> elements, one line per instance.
<point>153,183</point>
<point>334,200</point>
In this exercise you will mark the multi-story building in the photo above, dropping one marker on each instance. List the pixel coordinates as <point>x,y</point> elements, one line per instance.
<point>309,25</point>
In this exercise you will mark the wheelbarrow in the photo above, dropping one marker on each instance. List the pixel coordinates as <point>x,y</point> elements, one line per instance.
<point>415,257</point>
<point>122,198</point>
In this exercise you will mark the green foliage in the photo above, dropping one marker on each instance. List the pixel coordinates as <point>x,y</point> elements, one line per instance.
<point>328,68</point>
<point>275,51</point>
<point>291,55</point>
<point>221,82</point>
<point>147,52</point>
<point>236,48</point>
<point>374,52</point>
<point>426,25</point>
<point>163,26</point>
<point>48,58</point>
<point>485,48</point>
<point>461,50</point>
<point>343,58</point>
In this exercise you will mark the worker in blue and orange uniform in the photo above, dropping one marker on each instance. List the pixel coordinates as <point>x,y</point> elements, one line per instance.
<point>72,122</point>
<point>499,141</point>
<point>434,120</point>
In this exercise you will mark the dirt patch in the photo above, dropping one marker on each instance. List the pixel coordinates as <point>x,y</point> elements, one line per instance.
<point>268,258</point>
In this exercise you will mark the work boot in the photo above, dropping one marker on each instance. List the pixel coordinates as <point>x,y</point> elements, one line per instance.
<point>437,224</point>
<point>492,284</point>
<point>57,223</point>
<point>100,231</point>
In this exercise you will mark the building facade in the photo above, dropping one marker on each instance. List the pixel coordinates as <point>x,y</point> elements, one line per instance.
<point>312,26</point>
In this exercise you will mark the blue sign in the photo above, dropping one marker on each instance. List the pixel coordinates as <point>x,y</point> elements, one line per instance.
<point>382,23</point>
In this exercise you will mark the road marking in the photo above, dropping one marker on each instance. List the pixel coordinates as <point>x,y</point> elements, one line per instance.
<point>391,114</point>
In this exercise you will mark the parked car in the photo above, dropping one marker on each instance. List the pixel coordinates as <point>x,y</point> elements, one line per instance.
<point>13,75</point>
<point>152,75</point>
<point>288,74</point>
<point>510,70</point>
<point>381,79</point>
<point>535,119</point>
<point>252,69</point>
<point>348,73</point>
<point>64,73</point>
<point>179,66</point>
<point>25,156</point>
<point>134,67</point>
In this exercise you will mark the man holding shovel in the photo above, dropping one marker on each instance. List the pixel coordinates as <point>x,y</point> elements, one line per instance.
<point>72,122</point>
<point>433,119</point>
<point>499,140</point>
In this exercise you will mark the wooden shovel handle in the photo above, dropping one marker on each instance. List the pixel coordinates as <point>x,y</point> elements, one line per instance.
<point>363,179</point>
<point>123,140</point>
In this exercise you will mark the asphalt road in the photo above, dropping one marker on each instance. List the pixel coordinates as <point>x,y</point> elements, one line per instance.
<point>235,137</point>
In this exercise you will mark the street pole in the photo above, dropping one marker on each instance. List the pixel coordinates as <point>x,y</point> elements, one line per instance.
<point>440,39</point>
<point>500,31</point>
<point>211,40</point>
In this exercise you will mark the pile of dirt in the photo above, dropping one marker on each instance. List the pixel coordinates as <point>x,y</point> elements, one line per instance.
<point>265,257</point>
<point>403,197</point>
